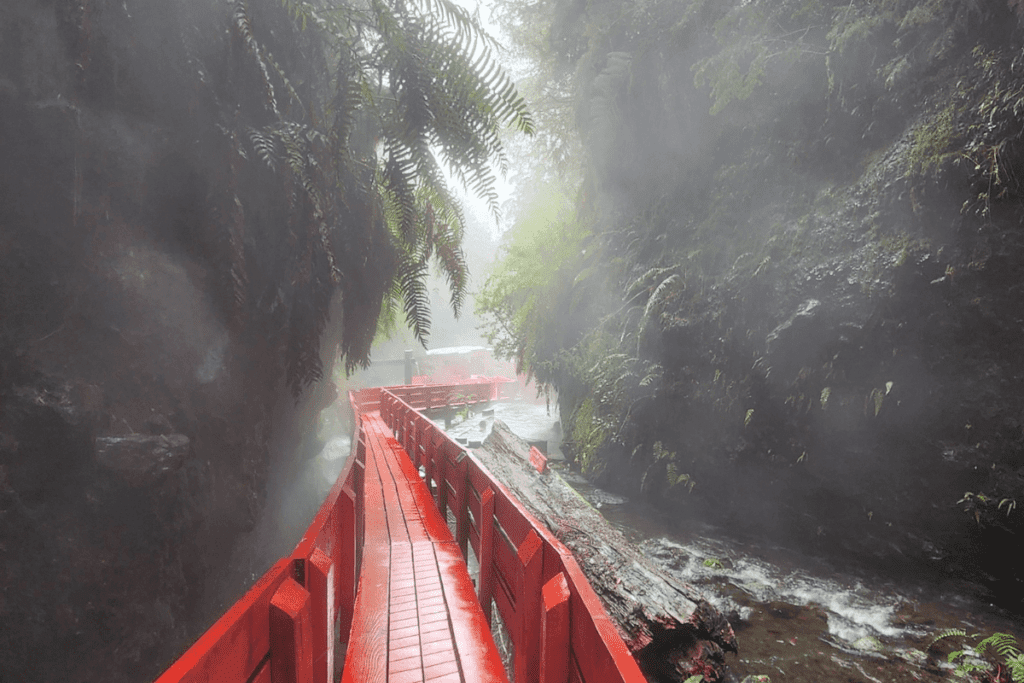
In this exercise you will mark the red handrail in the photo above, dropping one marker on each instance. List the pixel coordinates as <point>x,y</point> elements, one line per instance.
<point>293,609</point>
<point>553,614</point>
<point>283,628</point>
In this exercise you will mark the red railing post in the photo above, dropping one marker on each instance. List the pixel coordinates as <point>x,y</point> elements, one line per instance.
<point>359,470</point>
<point>320,584</point>
<point>554,631</point>
<point>526,659</point>
<point>428,468</point>
<point>441,473</point>
<point>461,501</point>
<point>408,434</point>
<point>291,634</point>
<point>486,527</point>
<point>345,552</point>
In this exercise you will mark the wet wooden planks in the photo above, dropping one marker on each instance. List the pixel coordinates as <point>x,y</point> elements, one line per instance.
<point>416,617</point>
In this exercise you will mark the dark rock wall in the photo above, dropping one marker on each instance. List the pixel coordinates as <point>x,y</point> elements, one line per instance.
<point>135,415</point>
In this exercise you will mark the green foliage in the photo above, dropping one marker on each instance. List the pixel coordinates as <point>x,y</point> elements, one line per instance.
<point>723,143</point>
<point>934,141</point>
<point>541,276</point>
<point>589,433</point>
<point>728,81</point>
<point>357,151</point>
<point>988,510</point>
<point>1003,647</point>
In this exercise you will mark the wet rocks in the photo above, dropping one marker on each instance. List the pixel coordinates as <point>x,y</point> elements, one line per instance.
<point>142,460</point>
<point>798,342</point>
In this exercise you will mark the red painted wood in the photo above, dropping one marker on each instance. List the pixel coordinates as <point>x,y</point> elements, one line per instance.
<point>345,562</point>
<point>366,657</point>
<point>320,582</point>
<point>428,473</point>
<point>234,646</point>
<point>462,504</point>
<point>434,631</point>
<point>380,521</point>
<point>485,588</point>
<point>574,670</point>
<point>554,631</point>
<point>611,660</point>
<point>440,474</point>
<point>538,460</point>
<point>262,674</point>
<point>478,656</point>
<point>291,634</point>
<point>528,594</point>
<point>593,630</point>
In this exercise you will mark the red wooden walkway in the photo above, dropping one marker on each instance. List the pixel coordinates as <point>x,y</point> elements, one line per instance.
<point>380,567</point>
<point>416,614</point>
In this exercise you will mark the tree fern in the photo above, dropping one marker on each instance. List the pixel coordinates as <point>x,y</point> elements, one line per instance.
<point>313,89</point>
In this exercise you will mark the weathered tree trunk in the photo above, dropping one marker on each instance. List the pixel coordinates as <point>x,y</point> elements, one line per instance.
<point>672,631</point>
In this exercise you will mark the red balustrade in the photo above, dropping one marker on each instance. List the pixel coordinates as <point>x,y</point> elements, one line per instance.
<point>560,631</point>
<point>283,629</point>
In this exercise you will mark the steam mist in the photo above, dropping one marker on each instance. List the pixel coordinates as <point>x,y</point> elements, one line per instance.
<point>768,252</point>
<point>779,299</point>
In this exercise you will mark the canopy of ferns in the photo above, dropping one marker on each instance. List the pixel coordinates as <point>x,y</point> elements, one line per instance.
<point>356,101</point>
<point>313,134</point>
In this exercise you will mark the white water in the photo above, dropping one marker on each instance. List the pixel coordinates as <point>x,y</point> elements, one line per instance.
<point>854,610</point>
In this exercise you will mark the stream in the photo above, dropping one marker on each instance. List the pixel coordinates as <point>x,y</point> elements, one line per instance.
<point>797,618</point>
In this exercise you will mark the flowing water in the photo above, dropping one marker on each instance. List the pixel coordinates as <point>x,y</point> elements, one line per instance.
<point>797,618</point>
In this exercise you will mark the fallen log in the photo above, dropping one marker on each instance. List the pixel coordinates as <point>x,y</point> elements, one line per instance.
<point>671,630</point>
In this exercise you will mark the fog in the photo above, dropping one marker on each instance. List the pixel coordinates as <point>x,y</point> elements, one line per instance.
<point>766,252</point>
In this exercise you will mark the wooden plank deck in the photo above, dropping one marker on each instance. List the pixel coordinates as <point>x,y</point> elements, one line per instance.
<point>416,617</point>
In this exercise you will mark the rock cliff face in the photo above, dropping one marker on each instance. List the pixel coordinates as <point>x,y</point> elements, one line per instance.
<point>811,215</point>
<point>135,413</point>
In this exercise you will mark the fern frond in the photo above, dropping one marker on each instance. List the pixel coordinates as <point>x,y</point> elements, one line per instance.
<point>265,145</point>
<point>349,94</point>
<point>452,260</point>
<point>412,280</point>
<point>1016,666</point>
<point>242,25</point>
<point>466,27</point>
<point>1003,643</point>
<point>653,304</point>
<point>948,633</point>
<point>292,94</point>
<point>397,181</point>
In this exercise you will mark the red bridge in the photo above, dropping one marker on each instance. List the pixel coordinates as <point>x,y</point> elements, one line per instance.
<point>380,572</point>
